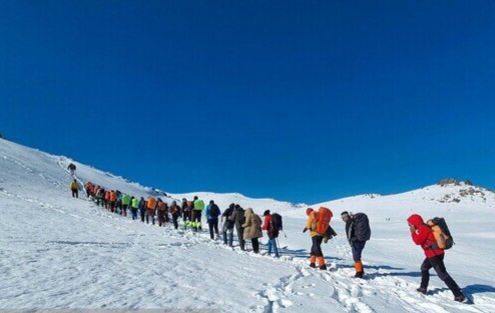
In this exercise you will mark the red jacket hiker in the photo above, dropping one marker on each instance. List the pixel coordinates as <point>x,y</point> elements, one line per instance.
<point>424,236</point>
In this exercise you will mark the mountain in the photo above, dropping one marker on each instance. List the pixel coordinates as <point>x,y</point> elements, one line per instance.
<point>59,252</point>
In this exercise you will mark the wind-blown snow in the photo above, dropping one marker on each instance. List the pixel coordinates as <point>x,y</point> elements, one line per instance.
<point>61,252</point>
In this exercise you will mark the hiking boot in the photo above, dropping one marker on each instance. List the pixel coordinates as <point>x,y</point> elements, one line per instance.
<point>323,267</point>
<point>460,298</point>
<point>358,275</point>
<point>312,265</point>
<point>421,290</point>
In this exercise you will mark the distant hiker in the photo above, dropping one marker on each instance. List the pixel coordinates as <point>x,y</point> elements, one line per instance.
<point>186,209</point>
<point>126,201</point>
<point>74,186</point>
<point>212,214</point>
<point>252,229</point>
<point>422,235</point>
<point>112,200</point>
<point>199,206</point>
<point>238,218</point>
<point>88,187</point>
<point>107,199</point>
<point>228,226</point>
<point>142,208</point>
<point>71,168</point>
<point>272,233</point>
<point>99,196</point>
<point>134,207</point>
<point>162,211</point>
<point>150,210</point>
<point>175,212</point>
<point>357,228</point>
<point>317,223</point>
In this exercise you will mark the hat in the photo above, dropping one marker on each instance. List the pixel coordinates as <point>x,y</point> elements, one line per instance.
<point>267,212</point>
<point>308,211</point>
<point>344,214</point>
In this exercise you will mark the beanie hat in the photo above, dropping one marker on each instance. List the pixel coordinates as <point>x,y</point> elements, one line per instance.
<point>267,212</point>
<point>308,211</point>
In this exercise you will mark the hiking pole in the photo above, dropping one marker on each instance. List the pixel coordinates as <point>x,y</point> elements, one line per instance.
<point>284,233</point>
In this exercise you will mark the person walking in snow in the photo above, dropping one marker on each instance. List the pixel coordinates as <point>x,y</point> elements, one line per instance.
<point>271,232</point>
<point>74,187</point>
<point>228,226</point>
<point>238,218</point>
<point>316,238</point>
<point>198,208</point>
<point>134,207</point>
<point>357,229</point>
<point>252,229</point>
<point>126,201</point>
<point>71,168</point>
<point>186,209</point>
<point>175,212</point>
<point>162,210</point>
<point>142,208</point>
<point>212,214</point>
<point>150,210</point>
<point>422,235</point>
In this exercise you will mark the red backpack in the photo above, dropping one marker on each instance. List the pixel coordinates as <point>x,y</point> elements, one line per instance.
<point>324,218</point>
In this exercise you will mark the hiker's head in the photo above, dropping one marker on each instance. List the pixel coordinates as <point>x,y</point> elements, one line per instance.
<point>267,212</point>
<point>309,211</point>
<point>345,216</point>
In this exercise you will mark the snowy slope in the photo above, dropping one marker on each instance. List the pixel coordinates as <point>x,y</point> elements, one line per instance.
<point>60,252</point>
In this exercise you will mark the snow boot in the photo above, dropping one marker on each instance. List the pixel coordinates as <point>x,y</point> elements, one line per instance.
<point>460,298</point>
<point>323,267</point>
<point>421,290</point>
<point>358,275</point>
<point>313,265</point>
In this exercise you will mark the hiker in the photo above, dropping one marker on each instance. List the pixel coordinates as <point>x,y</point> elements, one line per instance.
<point>422,235</point>
<point>186,209</point>
<point>212,214</point>
<point>272,233</point>
<point>162,211</point>
<point>126,201</point>
<point>74,186</point>
<point>150,210</point>
<point>134,207</point>
<point>175,211</point>
<point>198,208</point>
<point>112,199</point>
<point>99,196</point>
<point>142,208</point>
<point>71,168</point>
<point>357,228</point>
<point>238,218</point>
<point>228,226</point>
<point>252,229</point>
<point>88,187</point>
<point>107,199</point>
<point>316,238</point>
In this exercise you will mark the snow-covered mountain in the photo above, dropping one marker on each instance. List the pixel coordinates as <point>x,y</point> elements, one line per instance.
<point>61,252</point>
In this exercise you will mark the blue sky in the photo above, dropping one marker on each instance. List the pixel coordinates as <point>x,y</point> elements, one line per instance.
<point>303,101</point>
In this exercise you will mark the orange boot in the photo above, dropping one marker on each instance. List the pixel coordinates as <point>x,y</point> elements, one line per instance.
<point>358,265</point>
<point>321,261</point>
<point>312,261</point>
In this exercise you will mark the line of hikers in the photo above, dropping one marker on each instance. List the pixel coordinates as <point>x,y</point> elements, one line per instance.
<point>433,236</point>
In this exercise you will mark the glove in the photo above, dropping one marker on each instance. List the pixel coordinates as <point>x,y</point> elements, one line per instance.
<point>305,229</point>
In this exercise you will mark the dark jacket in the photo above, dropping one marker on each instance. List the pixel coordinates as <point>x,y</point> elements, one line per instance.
<point>357,228</point>
<point>227,221</point>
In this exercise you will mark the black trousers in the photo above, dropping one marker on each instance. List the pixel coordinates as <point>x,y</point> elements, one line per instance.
<point>316,247</point>
<point>438,265</point>
<point>357,249</point>
<point>75,193</point>
<point>256,245</point>
<point>213,226</point>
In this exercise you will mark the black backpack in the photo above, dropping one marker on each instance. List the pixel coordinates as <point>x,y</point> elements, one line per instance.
<point>361,226</point>
<point>214,210</point>
<point>277,222</point>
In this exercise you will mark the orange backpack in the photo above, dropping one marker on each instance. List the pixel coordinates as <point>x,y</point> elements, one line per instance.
<point>151,203</point>
<point>323,220</point>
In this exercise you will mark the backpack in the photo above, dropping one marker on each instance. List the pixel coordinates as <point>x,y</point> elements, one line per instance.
<point>443,237</point>
<point>361,226</point>
<point>323,221</point>
<point>277,221</point>
<point>151,203</point>
<point>214,210</point>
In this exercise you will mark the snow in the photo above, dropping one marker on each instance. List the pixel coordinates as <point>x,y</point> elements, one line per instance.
<point>57,252</point>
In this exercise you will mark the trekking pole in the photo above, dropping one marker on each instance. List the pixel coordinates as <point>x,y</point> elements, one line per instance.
<point>279,248</point>
<point>284,233</point>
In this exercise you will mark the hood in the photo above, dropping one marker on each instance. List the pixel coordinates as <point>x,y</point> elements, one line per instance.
<point>248,212</point>
<point>415,220</point>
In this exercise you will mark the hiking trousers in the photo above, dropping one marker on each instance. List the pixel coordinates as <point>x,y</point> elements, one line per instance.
<point>438,265</point>
<point>213,226</point>
<point>75,193</point>
<point>357,249</point>
<point>316,247</point>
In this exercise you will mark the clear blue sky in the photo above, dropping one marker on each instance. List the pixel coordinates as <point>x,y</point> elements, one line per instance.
<point>303,101</point>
